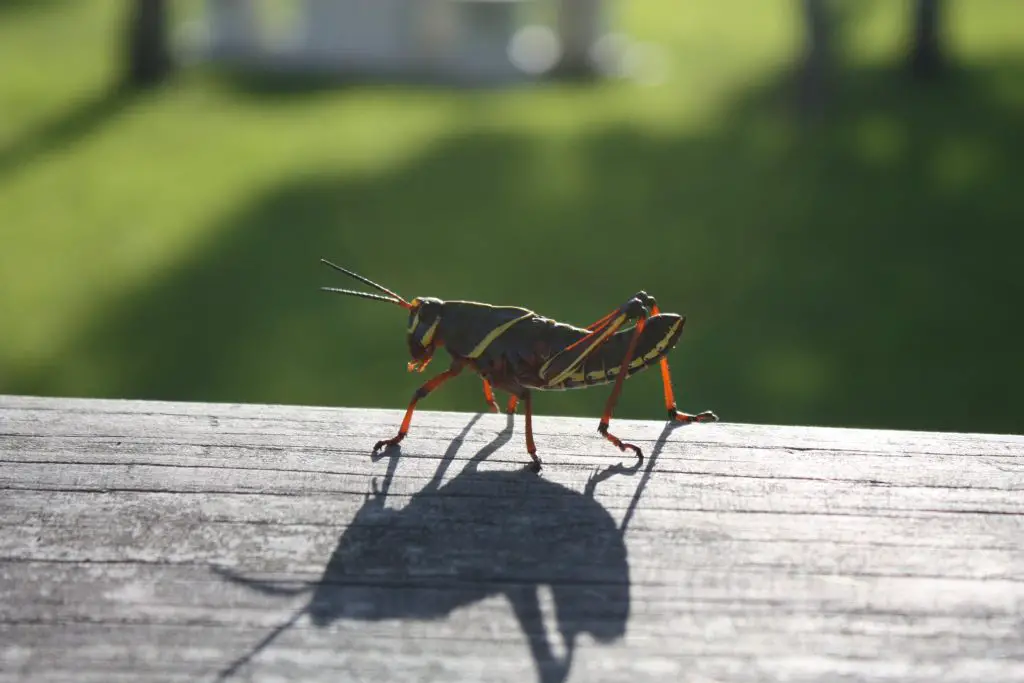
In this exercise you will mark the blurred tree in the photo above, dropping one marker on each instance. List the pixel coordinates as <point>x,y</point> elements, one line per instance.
<point>817,59</point>
<point>580,23</point>
<point>822,24</point>
<point>148,49</point>
<point>926,54</point>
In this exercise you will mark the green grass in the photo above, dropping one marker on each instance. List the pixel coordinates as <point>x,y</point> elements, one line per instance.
<point>864,271</point>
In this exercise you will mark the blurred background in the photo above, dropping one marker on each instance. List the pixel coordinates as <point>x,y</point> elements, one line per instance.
<point>832,192</point>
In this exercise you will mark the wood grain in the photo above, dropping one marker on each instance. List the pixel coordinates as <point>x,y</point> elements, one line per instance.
<point>152,541</point>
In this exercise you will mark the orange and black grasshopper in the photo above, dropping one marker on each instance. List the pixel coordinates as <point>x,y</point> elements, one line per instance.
<point>516,350</point>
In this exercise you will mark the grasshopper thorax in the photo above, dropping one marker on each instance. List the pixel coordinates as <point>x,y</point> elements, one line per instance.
<point>424,319</point>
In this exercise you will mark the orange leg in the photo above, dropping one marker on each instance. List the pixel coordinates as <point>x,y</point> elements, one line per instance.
<point>513,400</point>
<point>670,400</point>
<point>489,395</point>
<point>599,332</point>
<point>419,393</point>
<point>531,447</point>
<point>603,321</point>
<point>623,371</point>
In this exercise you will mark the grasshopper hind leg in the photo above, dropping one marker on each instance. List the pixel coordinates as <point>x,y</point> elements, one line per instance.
<point>610,405</point>
<point>670,399</point>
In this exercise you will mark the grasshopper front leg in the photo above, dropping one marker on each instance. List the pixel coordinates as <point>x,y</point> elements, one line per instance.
<point>420,393</point>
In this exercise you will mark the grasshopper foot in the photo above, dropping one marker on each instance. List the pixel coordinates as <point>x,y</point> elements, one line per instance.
<point>623,445</point>
<point>387,443</point>
<point>639,453</point>
<point>686,418</point>
<point>534,464</point>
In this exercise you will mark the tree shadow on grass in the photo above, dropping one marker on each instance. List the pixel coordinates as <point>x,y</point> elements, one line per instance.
<point>69,128</point>
<point>861,273</point>
<point>483,533</point>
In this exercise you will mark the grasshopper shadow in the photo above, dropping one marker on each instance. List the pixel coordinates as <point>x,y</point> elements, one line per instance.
<point>481,534</point>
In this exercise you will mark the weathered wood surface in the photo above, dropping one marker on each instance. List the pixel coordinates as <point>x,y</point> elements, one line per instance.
<point>145,541</point>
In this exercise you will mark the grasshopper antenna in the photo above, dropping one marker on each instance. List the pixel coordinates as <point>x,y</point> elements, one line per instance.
<point>391,296</point>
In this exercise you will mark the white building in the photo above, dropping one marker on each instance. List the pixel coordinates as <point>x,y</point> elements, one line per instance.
<point>474,41</point>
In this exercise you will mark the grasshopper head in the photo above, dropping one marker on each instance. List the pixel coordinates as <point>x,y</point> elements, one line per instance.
<point>424,319</point>
<point>424,316</point>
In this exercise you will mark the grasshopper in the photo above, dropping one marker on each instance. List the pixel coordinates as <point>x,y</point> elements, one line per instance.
<point>518,351</point>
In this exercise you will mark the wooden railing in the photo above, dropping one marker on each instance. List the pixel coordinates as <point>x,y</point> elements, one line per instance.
<point>146,541</point>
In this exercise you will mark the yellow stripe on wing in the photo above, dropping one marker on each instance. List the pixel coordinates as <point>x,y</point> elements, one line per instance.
<point>591,345</point>
<point>495,333</point>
